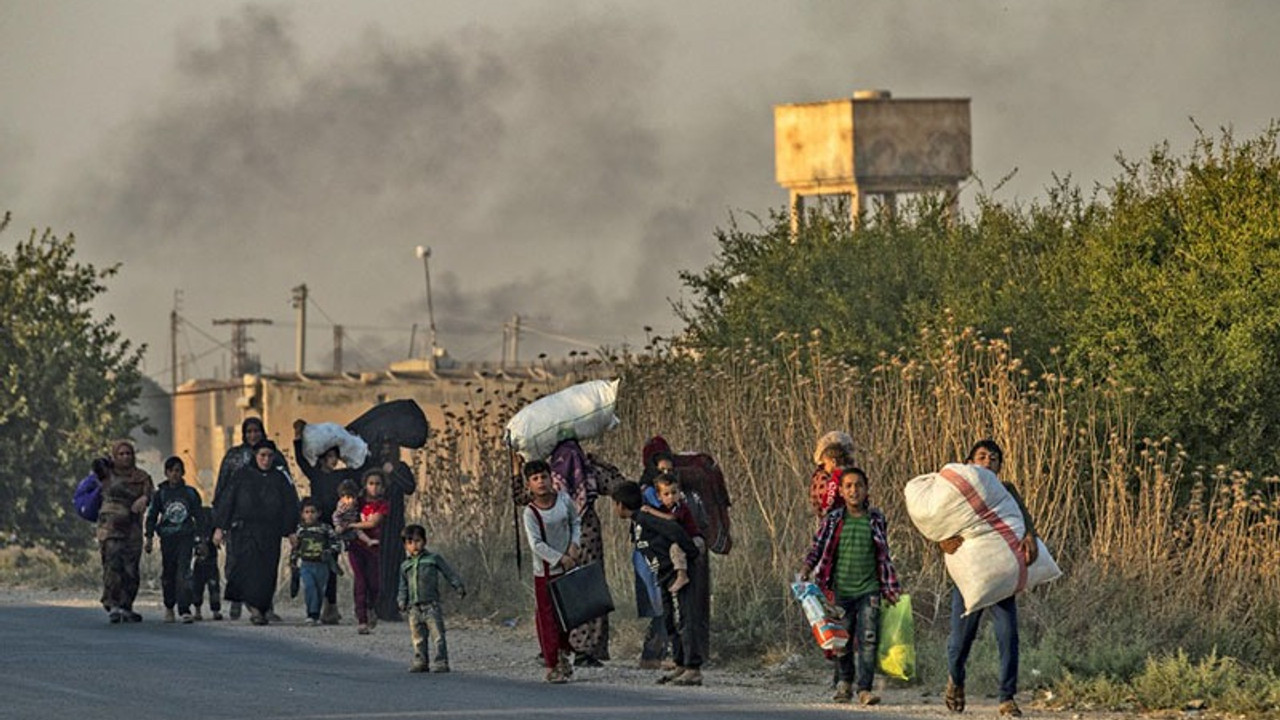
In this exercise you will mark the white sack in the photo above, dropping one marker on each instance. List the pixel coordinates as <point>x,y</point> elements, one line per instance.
<point>986,568</point>
<point>580,412</point>
<point>319,437</point>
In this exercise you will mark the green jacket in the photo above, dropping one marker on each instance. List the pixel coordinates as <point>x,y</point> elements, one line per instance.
<point>420,579</point>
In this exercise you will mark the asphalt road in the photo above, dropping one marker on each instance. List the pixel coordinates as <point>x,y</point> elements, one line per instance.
<point>59,662</point>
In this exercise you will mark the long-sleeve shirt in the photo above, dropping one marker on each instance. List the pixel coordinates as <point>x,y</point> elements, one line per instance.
<point>317,543</point>
<point>563,528</point>
<point>653,536</point>
<point>174,510</point>
<point>420,579</point>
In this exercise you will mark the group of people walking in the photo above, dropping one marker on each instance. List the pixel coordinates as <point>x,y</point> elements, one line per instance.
<point>256,507</point>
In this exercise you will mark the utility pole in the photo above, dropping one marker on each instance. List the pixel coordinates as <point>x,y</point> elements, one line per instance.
<point>425,254</point>
<point>511,341</point>
<point>240,342</point>
<point>173,342</point>
<point>337,349</point>
<point>300,304</point>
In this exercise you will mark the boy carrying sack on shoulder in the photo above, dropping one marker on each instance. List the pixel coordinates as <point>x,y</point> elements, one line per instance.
<point>850,558</point>
<point>419,598</point>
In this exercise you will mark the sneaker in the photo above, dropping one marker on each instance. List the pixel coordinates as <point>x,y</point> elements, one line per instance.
<point>116,615</point>
<point>217,615</point>
<point>954,697</point>
<point>235,610</point>
<point>1009,708</point>
<point>671,676</point>
<point>168,615</point>
<point>443,668</point>
<point>197,616</point>
<point>187,619</point>
<point>691,677</point>
<point>313,622</point>
<point>866,697</point>
<point>418,666</point>
<point>362,629</point>
<point>844,692</point>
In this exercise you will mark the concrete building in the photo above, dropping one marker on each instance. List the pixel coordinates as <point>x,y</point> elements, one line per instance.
<point>207,413</point>
<point>872,144</point>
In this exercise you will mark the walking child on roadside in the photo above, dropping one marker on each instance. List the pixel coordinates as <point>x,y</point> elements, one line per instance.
<point>553,530</point>
<point>653,536</point>
<point>850,558</point>
<point>174,514</point>
<point>205,573</point>
<point>362,552</point>
<point>418,598</point>
<point>315,556</point>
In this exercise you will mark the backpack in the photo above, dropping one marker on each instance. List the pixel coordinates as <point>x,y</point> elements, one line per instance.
<point>88,498</point>
<point>708,498</point>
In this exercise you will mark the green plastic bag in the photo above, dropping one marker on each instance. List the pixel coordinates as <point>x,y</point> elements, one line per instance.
<point>896,656</point>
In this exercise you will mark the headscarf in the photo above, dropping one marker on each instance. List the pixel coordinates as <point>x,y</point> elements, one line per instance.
<point>244,427</point>
<point>115,445</point>
<point>835,438</point>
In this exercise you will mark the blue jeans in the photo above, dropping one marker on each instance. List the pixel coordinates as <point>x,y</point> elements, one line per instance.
<point>862,619</point>
<point>964,629</point>
<point>315,576</point>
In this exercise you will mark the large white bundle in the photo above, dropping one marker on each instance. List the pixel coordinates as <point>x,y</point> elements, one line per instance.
<point>970,501</point>
<point>319,437</point>
<point>581,412</point>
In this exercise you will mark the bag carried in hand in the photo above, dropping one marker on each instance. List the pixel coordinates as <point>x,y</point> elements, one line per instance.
<point>580,595</point>
<point>88,498</point>
<point>896,655</point>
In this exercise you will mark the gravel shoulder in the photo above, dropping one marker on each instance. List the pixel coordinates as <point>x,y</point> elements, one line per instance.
<point>494,647</point>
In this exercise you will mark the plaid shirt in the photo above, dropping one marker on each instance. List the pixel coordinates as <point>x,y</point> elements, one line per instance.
<point>821,559</point>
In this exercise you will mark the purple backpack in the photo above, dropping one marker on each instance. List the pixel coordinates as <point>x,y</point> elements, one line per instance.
<point>88,498</point>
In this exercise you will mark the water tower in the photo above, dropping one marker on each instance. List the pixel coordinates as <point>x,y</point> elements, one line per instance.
<point>872,144</point>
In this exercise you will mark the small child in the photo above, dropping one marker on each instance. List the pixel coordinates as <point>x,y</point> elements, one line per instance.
<point>205,573</point>
<point>653,536</point>
<point>348,513</point>
<point>850,558</point>
<point>419,598</point>
<point>174,514</point>
<point>674,508</point>
<point>314,555</point>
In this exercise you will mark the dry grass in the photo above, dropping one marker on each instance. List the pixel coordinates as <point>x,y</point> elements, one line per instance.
<point>1140,532</point>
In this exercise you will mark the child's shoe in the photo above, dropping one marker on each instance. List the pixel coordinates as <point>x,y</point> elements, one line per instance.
<point>1009,709</point>
<point>362,629</point>
<point>671,676</point>
<point>844,692</point>
<point>691,677</point>
<point>116,616</point>
<point>187,619</point>
<point>866,698</point>
<point>168,615</point>
<point>313,622</point>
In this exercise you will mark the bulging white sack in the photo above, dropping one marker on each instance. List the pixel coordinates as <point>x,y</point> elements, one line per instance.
<point>319,437</point>
<point>970,501</point>
<point>580,412</point>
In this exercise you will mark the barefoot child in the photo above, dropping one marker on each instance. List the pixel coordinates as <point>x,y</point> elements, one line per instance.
<point>419,598</point>
<point>347,514</point>
<point>850,558</point>
<point>674,508</point>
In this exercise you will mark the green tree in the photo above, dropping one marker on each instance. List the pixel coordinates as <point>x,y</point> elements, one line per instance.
<point>67,384</point>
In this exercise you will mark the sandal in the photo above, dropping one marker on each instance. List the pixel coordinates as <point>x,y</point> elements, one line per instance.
<point>954,697</point>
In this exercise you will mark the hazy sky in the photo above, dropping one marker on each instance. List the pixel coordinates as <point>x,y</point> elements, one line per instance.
<point>563,159</point>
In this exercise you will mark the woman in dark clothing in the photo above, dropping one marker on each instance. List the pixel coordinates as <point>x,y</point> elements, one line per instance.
<point>325,477</point>
<point>258,507</point>
<point>398,483</point>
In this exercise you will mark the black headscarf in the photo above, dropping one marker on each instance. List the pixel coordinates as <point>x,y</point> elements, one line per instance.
<point>244,427</point>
